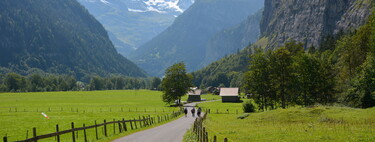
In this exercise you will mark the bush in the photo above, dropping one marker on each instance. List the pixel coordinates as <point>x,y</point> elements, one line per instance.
<point>249,106</point>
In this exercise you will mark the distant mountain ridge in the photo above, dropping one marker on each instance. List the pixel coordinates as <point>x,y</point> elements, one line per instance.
<point>57,36</point>
<point>233,40</point>
<point>134,22</point>
<point>186,39</point>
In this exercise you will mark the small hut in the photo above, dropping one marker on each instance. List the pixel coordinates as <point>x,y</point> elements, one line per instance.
<point>229,94</point>
<point>194,95</point>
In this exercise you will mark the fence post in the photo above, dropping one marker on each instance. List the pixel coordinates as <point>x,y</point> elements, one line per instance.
<point>119,126</point>
<point>214,139</point>
<point>84,132</point>
<point>105,128</point>
<point>135,124</point>
<point>131,124</point>
<point>57,130</point>
<point>114,126</point>
<point>96,131</point>
<point>203,134</point>
<point>206,137</point>
<point>144,121</point>
<point>5,139</point>
<point>225,140</point>
<point>124,124</point>
<point>73,134</point>
<point>34,134</point>
<point>140,121</point>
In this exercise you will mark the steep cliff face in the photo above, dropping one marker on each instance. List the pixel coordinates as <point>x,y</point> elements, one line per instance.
<point>309,21</point>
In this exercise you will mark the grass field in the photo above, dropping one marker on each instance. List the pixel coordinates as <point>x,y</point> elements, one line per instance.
<point>318,123</point>
<point>20,112</point>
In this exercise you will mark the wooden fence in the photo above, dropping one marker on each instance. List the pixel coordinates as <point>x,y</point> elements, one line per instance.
<point>201,132</point>
<point>122,126</point>
<point>80,110</point>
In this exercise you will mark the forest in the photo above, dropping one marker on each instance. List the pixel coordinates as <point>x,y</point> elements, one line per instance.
<point>13,82</point>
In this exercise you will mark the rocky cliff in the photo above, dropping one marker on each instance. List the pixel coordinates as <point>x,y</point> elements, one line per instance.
<point>309,21</point>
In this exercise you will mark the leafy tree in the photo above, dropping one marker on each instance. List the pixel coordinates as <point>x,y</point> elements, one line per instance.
<point>176,83</point>
<point>282,72</point>
<point>258,79</point>
<point>367,83</point>
<point>14,82</point>
<point>155,83</point>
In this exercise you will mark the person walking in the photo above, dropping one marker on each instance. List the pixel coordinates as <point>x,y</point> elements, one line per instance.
<point>199,112</point>
<point>193,111</point>
<point>185,111</point>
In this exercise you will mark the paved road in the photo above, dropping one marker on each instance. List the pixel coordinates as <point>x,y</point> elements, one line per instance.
<point>171,132</point>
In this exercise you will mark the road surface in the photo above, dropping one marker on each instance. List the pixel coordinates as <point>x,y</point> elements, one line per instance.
<point>170,132</point>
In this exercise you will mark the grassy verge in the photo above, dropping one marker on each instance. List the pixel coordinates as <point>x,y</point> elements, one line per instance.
<point>318,123</point>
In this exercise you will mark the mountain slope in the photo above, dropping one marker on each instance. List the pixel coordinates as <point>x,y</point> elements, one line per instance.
<point>186,39</point>
<point>286,20</point>
<point>134,22</point>
<point>57,36</point>
<point>232,40</point>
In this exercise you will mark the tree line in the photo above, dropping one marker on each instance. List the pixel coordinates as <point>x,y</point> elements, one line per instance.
<point>13,82</point>
<point>341,71</point>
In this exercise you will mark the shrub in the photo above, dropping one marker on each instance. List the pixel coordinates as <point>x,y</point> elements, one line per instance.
<point>249,106</point>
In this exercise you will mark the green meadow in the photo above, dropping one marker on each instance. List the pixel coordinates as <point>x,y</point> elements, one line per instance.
<point>20,112</point>
<point>318,123</point>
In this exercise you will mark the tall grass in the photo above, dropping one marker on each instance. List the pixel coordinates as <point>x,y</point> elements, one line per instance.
<point>318,123</point>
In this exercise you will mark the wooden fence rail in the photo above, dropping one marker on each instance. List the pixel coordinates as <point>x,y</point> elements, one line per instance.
<point>201,132</point>
<point>122,127</point>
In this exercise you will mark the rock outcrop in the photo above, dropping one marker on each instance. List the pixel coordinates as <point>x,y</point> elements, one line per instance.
<point>309,21</point>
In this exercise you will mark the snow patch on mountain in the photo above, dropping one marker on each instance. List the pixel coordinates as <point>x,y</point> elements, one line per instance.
<point>164,4</point>
<point>104,1</point>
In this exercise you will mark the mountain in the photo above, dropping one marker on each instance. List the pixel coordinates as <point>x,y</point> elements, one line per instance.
<point>134,22</point>
<point>186,39</point>
<point>310,21</point>
<point>57,36</point>
<point>233,40</point>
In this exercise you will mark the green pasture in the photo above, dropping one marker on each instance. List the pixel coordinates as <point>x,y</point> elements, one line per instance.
<point>319,123</point>
<point>20,112</point>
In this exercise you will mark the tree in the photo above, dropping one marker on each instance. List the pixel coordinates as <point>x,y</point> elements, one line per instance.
<point>282,71</point>
<point>155,83</point>
<point>176,83</point>
<point>257,80</point>
<point>14,82</point>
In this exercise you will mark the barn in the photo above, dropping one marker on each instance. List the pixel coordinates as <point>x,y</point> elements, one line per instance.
<point>194,95</point>
<point>229,94</point>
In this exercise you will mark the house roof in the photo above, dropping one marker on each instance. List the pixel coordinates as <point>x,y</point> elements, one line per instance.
<point>228,91</point>
<point>195,92</point>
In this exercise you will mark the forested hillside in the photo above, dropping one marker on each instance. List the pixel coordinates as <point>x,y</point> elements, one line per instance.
<point>57,36</point>
<point>340,70</point>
